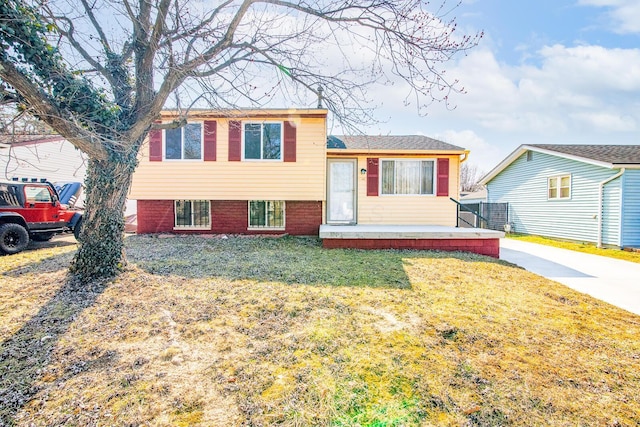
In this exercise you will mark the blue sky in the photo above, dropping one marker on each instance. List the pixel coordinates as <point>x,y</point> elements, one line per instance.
<point>563,71</point>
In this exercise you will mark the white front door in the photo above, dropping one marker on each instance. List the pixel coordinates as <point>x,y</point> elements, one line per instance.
<point>341,203</point>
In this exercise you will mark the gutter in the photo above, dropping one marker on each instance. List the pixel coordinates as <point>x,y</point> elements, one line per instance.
<point>466,156</point>
<point>601,201</point>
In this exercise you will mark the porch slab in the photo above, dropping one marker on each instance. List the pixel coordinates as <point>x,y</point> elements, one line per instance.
<point>426,237</point>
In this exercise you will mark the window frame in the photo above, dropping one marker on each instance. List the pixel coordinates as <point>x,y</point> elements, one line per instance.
<point>559,187</point>
<point>266,215</point>
<point>262,123</point>
<point>434,177</point>
<point>182,159</point>
<point>191,227</point>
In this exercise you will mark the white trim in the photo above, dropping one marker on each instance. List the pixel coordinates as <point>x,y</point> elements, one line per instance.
<point>182,159</point>
<point>434,178</point>
<point>242,148</point>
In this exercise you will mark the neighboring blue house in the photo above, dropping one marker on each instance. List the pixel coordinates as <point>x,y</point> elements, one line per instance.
<point>586,193</point>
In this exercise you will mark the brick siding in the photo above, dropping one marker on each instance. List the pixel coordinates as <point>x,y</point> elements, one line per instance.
<point>490,247</point>
<point>302,218</point>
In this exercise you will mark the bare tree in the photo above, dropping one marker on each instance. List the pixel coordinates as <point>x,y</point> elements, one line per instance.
<point>99,72</point>
<point>470,178</point>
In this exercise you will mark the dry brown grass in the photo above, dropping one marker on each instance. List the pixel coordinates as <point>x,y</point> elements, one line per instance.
<point>263,332</point>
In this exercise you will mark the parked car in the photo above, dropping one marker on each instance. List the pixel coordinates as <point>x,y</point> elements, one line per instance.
<point>32,209</point>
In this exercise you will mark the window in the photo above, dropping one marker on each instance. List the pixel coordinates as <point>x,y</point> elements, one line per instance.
<point>263,141</point>
<point>37,194</point>
<point>560,187</point>
<point>407,176</point>
<point>266,214</point>
<point>9,195</point>
<point>184,143</point>
<point>194,214</point>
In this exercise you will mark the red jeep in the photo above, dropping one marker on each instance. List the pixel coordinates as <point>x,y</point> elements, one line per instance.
<point>31,209</point>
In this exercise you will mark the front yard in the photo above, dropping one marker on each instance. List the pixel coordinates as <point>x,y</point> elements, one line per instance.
<point>266,331</point>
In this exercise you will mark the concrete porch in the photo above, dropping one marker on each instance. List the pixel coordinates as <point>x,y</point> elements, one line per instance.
<point>426,237</point>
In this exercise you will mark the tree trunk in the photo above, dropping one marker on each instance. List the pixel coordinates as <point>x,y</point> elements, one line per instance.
<point>101,252</point>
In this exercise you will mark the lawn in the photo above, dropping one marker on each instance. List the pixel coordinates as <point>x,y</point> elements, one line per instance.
<point>278,331</point>
<point>586,247</point>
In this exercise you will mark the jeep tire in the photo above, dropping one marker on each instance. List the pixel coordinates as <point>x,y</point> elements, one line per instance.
<point>77,229</point>
<point>13,238</point>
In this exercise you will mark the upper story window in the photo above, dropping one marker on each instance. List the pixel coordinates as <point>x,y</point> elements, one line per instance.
<point>559,187</point>
<point>262,141</point>
<point>184,143</point>
<point>407,176</point>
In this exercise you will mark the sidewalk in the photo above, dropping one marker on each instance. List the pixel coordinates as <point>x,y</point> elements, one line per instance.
<point>614,281</point>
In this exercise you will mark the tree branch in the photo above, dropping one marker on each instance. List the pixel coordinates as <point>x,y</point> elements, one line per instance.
<point>45,109</point>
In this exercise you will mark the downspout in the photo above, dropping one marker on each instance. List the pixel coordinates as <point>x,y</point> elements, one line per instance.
<point>601,201</point>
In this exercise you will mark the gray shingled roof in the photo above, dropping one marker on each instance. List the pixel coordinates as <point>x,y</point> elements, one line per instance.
<point>389,142</point>
<point>613,154</point>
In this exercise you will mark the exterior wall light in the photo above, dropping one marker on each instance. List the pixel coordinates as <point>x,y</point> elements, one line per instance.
<point>363,171</point>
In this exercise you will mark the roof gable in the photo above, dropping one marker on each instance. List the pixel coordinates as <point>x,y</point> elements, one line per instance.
<point>607,156</point>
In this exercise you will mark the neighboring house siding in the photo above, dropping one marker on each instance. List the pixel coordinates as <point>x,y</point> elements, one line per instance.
<point>631,209</point>
<point>418,210</point>
<point>302,179</point>
<point>523,184</point>
<point>56,161</point>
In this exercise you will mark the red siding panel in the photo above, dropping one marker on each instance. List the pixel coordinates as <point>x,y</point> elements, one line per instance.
<point>155,145</point>
<point>372,176</point>
<point>235,141</point>
<point>289,142</point>
<point>443,177</point>
<point>209,140</point>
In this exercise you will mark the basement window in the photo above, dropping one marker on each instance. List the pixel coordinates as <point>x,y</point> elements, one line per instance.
<point>193,214</point>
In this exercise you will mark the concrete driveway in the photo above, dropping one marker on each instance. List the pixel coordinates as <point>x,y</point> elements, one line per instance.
<point>614,281</point>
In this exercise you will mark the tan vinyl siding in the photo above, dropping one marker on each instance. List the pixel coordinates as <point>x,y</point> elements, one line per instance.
<point>414,209</point>
<point>303,179</point>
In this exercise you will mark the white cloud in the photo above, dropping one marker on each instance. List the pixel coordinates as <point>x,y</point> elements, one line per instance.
<point>623,14</point>
<point>573,90</point>
<point>483,154</point>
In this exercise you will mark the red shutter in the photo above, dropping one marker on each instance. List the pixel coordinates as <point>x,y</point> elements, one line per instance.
<point>209,139</point>
<point>289,142</point>
<point>372,177</point>
<point>443,177</point>
<point>155,145</point>
<point>235,141</point>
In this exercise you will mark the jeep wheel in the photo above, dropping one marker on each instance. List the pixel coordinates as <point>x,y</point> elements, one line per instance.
<point>13,238</point>
<point>77,229</point>
<point>42,237</point>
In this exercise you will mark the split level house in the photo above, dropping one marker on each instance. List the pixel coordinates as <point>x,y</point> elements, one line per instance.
<point>278,172</point>
<point>585,193</point>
